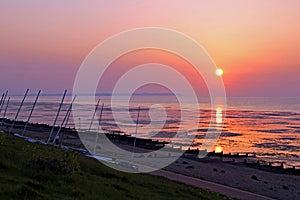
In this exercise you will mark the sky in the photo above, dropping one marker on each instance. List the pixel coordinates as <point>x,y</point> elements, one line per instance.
<point>256,43</point>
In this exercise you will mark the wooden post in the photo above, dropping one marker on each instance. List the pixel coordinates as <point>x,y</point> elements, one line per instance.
<point>62,123</point>
<point>16,117</point>
<point>57,115</point>
<point>32,109</point>
<point>96,108</point>
<point>270,165</point>
<point>282,167</point>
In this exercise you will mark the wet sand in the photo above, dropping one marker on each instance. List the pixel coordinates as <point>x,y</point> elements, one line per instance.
<point>226,190</point>
<point>275,185</point>
<point>236,175</point>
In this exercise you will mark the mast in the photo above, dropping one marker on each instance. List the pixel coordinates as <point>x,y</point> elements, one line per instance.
<point>57,115</point>
<point>16,117</point>
<point>96,108</point>
<point>136,129</point>
<point>32,109</point>
<point>97,136</point>
<point>61,140</point>
<point>67,121</point>
<point>66,116</point>
<point>3,100</point>
<point>4,114</point>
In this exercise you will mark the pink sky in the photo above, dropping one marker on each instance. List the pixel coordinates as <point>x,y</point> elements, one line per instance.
<point>257,43</point>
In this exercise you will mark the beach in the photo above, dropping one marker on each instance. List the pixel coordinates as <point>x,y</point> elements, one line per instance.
<point>233,174</point>
<point>268,127</point>
<point>124,95</point>
<point>275,185</point>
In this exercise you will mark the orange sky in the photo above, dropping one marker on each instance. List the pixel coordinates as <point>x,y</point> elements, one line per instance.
<point>42,44</point>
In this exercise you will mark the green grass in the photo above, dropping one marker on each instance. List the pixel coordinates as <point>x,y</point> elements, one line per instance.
<point>33,171</point>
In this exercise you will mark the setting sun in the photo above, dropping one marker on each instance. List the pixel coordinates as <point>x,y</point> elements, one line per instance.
<point>219,72</point>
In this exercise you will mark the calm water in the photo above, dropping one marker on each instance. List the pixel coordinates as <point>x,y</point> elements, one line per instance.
<point>268,126</point>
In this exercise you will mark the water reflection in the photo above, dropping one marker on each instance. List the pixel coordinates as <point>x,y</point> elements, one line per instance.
<point>219,116</point>
<point>271,134</point>
<point>218,149</point>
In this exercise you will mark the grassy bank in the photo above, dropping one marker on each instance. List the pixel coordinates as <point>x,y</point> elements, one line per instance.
<point>33,171</point>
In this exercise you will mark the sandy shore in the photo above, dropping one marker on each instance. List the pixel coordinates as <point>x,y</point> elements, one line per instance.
<point>275,185</point>
<point>237,175</point>
<point>222,189</point>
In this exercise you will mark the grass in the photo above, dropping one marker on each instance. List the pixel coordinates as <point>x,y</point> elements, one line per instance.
<point>33,171</point>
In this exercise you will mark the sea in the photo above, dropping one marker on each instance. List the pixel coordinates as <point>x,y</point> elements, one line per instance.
<point>269,127</point>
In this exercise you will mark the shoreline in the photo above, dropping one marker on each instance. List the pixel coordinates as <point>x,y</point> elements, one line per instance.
<point>71,138</point>
<point>233,174</point>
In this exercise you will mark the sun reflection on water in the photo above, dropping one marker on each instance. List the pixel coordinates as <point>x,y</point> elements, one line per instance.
<point>218,149</point>
<point>219,116</point>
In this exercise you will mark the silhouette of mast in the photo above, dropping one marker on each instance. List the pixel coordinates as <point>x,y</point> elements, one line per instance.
<point>5,110</point>
<point>32,109</point>
<point>3,100</point>
<point>16,117</point>
<point>96,108</point>
<point>97,136</point>
<point>57,115</point>
<point>65,118</point>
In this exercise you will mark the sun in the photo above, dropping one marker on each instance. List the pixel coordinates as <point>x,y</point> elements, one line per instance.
<point>219,72</point>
